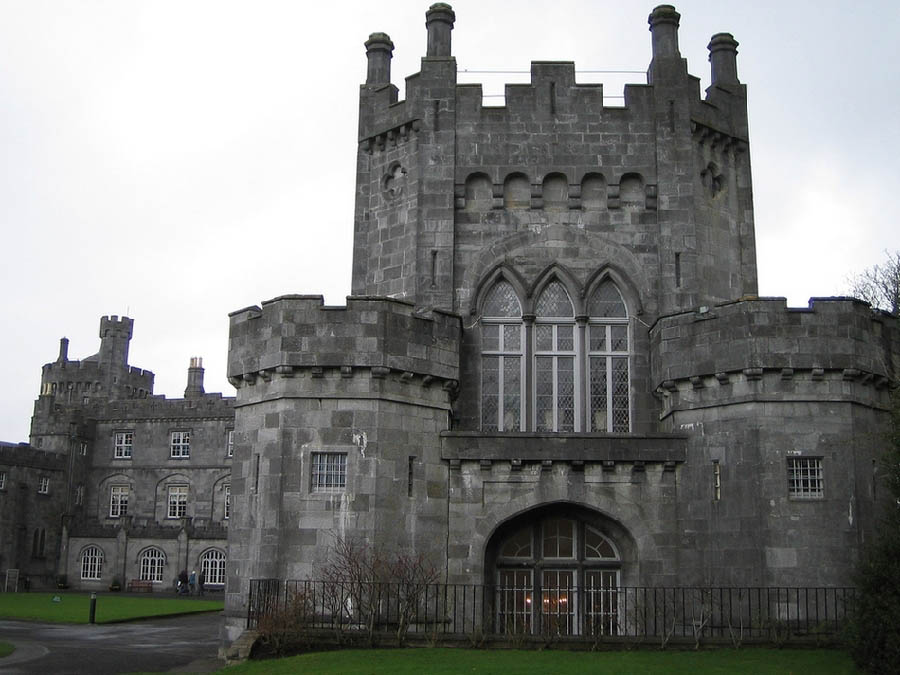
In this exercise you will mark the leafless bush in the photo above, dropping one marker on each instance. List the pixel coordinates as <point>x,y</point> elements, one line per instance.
<point>366,588</point>
<point>282,629</point>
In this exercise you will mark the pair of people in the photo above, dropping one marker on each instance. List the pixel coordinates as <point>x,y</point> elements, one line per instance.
<point>189,584</point>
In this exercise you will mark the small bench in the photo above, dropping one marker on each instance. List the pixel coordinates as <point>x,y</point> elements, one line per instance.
<point>138,585</point>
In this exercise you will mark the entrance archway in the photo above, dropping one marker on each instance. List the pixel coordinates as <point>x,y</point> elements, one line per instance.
<point>557,570</point>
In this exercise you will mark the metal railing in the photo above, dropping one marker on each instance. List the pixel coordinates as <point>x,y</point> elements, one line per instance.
<point>582,612</point>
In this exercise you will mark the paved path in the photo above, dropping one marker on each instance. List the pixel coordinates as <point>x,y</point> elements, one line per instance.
<point>176,644</point>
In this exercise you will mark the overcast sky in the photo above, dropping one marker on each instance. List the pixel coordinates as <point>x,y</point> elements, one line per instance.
<point>176,161</point>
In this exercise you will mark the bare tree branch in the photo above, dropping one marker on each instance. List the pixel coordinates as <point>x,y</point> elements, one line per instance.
<point>880,285</point>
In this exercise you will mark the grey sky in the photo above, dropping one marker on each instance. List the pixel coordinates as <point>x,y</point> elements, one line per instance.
<point>175,161</point>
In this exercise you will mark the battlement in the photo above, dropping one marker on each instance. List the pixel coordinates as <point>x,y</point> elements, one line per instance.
<point>114,326</point>
<point>200,406</point>
<point>91,378</point>
<point>299,332</point>
<point>553,92</point>
<point>749,338</point>
<point>25,455</point>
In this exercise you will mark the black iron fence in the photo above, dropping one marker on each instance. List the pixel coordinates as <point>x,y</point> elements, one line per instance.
<point>593,613</point>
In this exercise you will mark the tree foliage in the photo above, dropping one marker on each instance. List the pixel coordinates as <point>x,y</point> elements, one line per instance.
<point>875,631</point>
<point>880,285</point>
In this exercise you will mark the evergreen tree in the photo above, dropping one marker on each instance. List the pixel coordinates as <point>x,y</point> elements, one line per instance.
<point>875,630</point>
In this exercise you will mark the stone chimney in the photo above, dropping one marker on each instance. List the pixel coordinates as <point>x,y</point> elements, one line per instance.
<point>723,59</point>
<point>379,51</point>
<point>195,378</point>
<point>439,21</point>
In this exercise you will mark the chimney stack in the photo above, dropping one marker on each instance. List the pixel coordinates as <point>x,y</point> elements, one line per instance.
<point>723,59</point>
<point>195,378</point>
<point>379,50</point>
<point>439,21</point>
<point>663,22</point>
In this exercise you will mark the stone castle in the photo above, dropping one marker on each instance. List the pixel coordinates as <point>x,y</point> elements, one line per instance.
<point>117,484</point>
<point>554,368</point>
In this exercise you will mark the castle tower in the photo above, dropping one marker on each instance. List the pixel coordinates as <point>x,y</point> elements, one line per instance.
<point>555,339</point>
<point>115,336</point>
<point>403,234</point>
<point>440,179</point>
<point>70,389</point>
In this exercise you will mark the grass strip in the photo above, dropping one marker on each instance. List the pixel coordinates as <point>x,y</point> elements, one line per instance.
<point>6,649</point>
<point>758,661</point>
<point>111,608</point>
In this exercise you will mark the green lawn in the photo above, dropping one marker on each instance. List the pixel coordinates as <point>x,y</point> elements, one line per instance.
<point>75,607</point>
<point>508,662</point>
<point>6,649</point>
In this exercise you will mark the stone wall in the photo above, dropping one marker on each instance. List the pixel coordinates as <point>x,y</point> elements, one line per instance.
<point>371,383</point>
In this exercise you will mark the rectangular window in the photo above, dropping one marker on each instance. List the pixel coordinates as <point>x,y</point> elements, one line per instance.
<point>118,501</point>
<point>2,480</point>
<point>177,501</point>
<point>227,502</point>
<point>229,443</point>
<point>83,448</point>
<point>79,495</point>
<point>329,471</point>
<point>124,443</point>
<point>558,596</point>
<point>44,485</point>
<point>180,444</point>
<point>717,481</point>
<point>501,377</point>
<point>608,378</point>
<point>554,377</point>
<point>805,478</point>
<point>514,602</point>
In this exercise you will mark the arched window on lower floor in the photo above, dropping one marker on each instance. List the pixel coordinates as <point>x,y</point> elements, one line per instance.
<point>152,563</point>
<point>212,564</point>
<point>557,575</point>
<point>91,563</point>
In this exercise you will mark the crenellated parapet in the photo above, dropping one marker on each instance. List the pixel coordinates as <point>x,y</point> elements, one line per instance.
<point>158,408</point>
<point>760,349</point>
<point>24,455</point>
<point>386,340</point>
<point>88,378</point>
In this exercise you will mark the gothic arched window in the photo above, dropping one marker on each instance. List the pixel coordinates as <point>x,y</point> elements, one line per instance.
<point>212,562</point>
<point>91,563</point>
<point>554,360</point>
<point>609,348</point>
<point>502,340</point>
<point>153,561</point>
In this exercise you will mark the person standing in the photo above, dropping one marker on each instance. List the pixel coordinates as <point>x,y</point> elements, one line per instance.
<point>201,580</point>
<point>182,582</point>
<point>192,581</point>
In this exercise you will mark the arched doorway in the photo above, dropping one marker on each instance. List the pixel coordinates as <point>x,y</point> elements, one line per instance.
<point>557,570</point>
